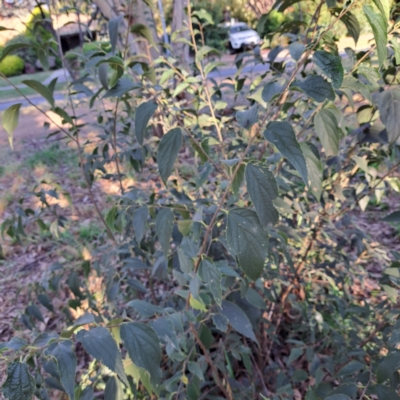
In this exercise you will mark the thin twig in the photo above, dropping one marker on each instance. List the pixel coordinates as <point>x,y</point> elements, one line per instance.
<point>226,393</point>
<point>203,77</point>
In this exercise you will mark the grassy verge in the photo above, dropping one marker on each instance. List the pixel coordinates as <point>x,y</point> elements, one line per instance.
<point>17,80</point>
<point>12,94</point>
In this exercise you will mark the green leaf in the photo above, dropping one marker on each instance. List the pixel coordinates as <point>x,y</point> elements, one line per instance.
<point>238,319</point>
<point>34,312</point>
<point>379,28</point>
<point>20,384</point>
<point>246,119</point>
<point>184,226</point>
<point>168,150</point>
<point>316,87</point>
<point>85,319</point>
<point>295,353</point>
<point>204,50</point>
<point>197,304</point>
<point>113,389</point>
<point>357,86</point>
<point>15,343</point>
<point>180,88</point>
<point>143,348</point>
<point>392,217</point>
<point>103,75</point>
<point>66,364</point>
<point>384,8</point>
<point>143,31</point>
<point>113,27</point>
<point>204,15</point>
<point>185,263</point>
<point>387,367</point>
<point>142,117</point>
<point>315,170</point>
<point>331,66</point>
<point>140,221</point>
<point>195,369</point>
<point>63,114</point>
<point>144,308</point>
<point>389,109</point>
<point>350,368</point>
<point>44,339</point>
<point>13,47</point>
<point>238,179</point>
<point>122,87</point>
<point>282,5</point>
<point>10,120</point>
<point>386,393</point>
<point>282,135</point>
<point>220,322</point>
<point>338,396</point>
<point>42,55</point>
<point>247,240</point>
<point>255,299</point>
<point>99,343</point>
<point>213,65</point>
<point>271,90</point>
<point>262,188</point>
<point>45,301</point>
<point>310,395</point>
<point>396,47</point>
<point>41,89</point>
<point>166,76</point>
<point>165,329</point>
<point>349,389</point>
<point>296,50</point>
<point>370,73</point>
<point>164,225</point>
<point>87,394</point>
<point>391,292</point>
<point>328,131</point>
<point>52,85</point>
<point>211,275</point>
<point>352,25</point>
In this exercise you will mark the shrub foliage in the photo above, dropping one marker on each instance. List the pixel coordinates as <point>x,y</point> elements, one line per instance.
<point>12,65</point>
<point>234,268</point>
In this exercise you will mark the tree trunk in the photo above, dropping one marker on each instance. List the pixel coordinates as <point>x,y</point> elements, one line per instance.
<point>260,7</point>
<point>180,24</point>
<point>143,14</point>
<point>112,9</point>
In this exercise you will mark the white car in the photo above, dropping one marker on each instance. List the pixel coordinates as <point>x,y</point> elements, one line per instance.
<point>241,36</point>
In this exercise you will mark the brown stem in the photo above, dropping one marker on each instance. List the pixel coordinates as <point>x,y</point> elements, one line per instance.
<point>361,195</point>
<point>203,77</point>
<point>151,286</point>
<point>316,17</point>
<point>227,394</point>
<point>115,147</point>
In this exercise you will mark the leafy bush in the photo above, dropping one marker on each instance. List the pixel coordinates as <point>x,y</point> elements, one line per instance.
<point>28,53</point>
<point>273,21</point>
<point>36,25</point>
<point>234,265</point>
<point>12,65</point>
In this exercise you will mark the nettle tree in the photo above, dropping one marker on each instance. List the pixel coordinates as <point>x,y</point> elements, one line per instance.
<point>234,267</point>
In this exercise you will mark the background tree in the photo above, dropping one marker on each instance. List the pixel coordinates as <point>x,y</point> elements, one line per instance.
<point>180,31</point>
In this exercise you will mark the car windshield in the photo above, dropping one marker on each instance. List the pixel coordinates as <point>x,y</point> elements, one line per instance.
<point>239,28</point>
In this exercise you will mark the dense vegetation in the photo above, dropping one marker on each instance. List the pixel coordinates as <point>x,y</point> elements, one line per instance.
<point>233,267</point>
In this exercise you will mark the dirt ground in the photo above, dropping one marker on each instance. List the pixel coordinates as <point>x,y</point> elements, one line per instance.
<point>33,161</point>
